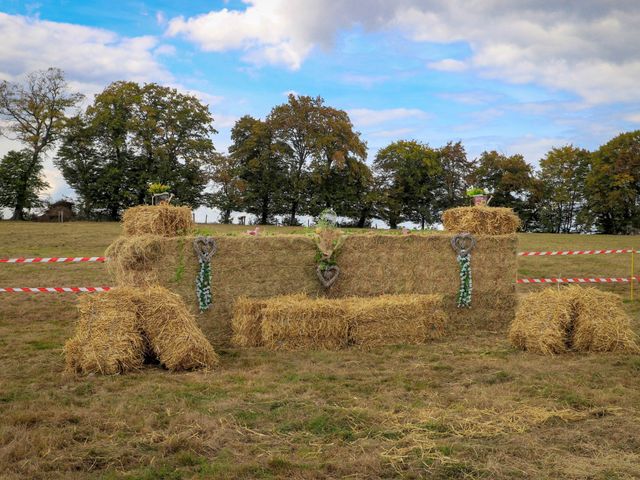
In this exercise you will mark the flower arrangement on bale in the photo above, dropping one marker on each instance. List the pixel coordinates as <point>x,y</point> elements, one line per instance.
<point>328,242</point>
<point>479,196</point>
<point>160,193</point>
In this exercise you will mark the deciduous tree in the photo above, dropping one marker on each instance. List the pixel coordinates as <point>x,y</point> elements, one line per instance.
<point>613,185</point>
<point>408,183</point>
<point>36,112</point>
<point>20,181</point>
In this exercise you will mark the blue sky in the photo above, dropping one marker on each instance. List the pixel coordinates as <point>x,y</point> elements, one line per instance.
<point>518,77</point>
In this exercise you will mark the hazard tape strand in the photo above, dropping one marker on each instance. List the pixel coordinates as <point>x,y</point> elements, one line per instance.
<point>577,280</point>
<point>54,289</point>
<point>520,254</point>
<point>576,252</point>
<point>528,281</point>
<point>53,259</point>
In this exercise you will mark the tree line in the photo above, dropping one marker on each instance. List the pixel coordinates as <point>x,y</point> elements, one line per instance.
<point>302,158</point>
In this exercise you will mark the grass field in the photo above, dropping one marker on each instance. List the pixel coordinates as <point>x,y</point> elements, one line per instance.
<point>467,407</point>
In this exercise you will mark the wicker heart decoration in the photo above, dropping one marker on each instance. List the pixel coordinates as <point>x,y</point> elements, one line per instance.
<point>328,276</point>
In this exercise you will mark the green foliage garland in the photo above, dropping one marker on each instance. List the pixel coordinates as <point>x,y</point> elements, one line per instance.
<point>466,283</point>
<point>203,285</point>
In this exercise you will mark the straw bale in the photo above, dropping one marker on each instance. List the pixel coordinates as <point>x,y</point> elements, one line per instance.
<point>295,322</point>
<point>573,318</point>
<point>164,220</point>
<point>481,220</point>
<point>600,323</point>
<point>108,337</point>
<point>172,331</point>
<point>371,265</point>
<point>247,322</point>
<point>133,260</point>
<point>395,319</point>
<point>541,322</point>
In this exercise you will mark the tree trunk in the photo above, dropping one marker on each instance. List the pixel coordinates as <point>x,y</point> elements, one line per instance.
<point>292,217</point>
<point>226,216</point>
<point>363,218</point>
<point>264,211</point>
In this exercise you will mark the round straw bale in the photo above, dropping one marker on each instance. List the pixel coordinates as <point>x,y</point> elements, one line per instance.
<point>481,220</point>
<point>173,334</point>
<point>108,337</point>
<point>163,220</point>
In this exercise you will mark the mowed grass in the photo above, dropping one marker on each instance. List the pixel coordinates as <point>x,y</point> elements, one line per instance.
<point>465,407</point>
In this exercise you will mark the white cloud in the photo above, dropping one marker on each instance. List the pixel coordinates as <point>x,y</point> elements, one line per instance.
<point>589,48</point>
<point>448,65</point>
<point>364,117</point>
<point>90,57</point>
<point>633,117</point>
<point>533,148</point>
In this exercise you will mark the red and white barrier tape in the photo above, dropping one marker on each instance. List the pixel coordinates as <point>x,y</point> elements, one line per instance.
<point>54,289</point>
<point>576,252</point>
<point>53,259</point>
<point>537,281</point>
<point>577,280</point>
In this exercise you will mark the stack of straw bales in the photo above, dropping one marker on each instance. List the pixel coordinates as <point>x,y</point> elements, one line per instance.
<point>293,322</point>
<point>119,329</point>
<point>164,220</point>
<point>574,318</point>
<point>371,265</point>
<point>481,220</point>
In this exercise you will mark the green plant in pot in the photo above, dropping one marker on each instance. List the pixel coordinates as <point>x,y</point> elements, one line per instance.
<point>479,196</point>
<point>160,193</point>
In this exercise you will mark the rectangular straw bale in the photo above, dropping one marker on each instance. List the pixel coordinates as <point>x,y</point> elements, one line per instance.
<point>481,220</point>
<point>108,338</point>
<point>541,322</point>
<point>395,319</point>
<point>173,334</point>
<point>247,322</point>
<point>600,322</point>
<point>296,322</point>
<point>163,220</point>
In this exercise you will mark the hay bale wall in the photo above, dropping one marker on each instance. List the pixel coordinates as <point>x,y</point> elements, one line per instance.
<point>371,265</point>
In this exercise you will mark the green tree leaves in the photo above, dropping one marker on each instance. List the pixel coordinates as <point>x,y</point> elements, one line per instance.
<point>132,136</point>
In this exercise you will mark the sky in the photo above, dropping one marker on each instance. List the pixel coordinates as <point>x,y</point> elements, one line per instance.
<point>517,76</point>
